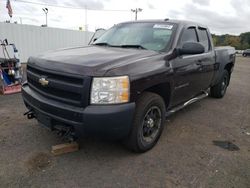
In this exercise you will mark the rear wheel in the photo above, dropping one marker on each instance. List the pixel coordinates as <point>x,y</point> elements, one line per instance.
<point>147,124</point>
<point>219,90</point>
<point>245,55</point>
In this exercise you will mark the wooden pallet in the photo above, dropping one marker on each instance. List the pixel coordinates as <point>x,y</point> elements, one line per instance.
<point>64,148</point>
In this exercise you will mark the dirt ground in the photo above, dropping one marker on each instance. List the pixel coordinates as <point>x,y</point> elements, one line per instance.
<point>185,155</point>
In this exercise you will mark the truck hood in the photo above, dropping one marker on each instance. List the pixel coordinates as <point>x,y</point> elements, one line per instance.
<point>90,60</point>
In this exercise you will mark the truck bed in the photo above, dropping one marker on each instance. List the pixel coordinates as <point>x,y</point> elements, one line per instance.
<point>223,56</point>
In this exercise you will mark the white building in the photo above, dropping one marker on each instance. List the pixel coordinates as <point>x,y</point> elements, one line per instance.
<point>32,40</point>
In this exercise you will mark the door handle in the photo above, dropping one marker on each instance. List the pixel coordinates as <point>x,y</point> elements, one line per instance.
<point>199,63</point>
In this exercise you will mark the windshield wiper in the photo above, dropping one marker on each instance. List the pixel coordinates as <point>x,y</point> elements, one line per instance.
<point>102,44</point>
<point>133,46</point>
<point>121,46</point>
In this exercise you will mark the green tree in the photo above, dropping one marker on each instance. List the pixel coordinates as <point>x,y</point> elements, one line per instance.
<point>240,42</point>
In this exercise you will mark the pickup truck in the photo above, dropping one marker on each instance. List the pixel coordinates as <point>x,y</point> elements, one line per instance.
<point>128,81</point>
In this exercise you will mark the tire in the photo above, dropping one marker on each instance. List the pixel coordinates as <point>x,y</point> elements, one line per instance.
<point>244,55</point>
<point>148,123</point>
<point>219,90</point>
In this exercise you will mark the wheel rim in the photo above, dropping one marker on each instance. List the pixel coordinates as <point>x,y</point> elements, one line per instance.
<point>151,124</point>
<point>224,85</point>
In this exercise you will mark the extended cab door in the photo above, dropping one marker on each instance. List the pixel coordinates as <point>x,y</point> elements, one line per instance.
<point>206,59</point>
<point>187,70</point>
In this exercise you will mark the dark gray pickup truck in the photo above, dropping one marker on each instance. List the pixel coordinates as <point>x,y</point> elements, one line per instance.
<point>124,84</point>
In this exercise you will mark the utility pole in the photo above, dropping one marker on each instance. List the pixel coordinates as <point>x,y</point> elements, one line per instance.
<point>86,18</point>
<point>46,10</point>
<point>21,20</point>
<point>86,24</point>
<point>136,12</point>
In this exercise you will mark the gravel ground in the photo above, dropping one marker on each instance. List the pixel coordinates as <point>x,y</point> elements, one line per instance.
<point>185,156</point>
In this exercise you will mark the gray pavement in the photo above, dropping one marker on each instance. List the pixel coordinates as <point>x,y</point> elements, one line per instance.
<point>185,155</point>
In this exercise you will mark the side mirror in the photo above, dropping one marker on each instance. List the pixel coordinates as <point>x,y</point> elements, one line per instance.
<point>96,35</point>
<point>191,48</point>
<point>6,41</point>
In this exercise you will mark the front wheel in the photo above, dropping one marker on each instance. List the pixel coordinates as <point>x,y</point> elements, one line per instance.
<point>219,90</point>
<point>147,124</point>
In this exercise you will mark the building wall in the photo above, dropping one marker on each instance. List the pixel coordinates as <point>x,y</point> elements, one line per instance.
<point>33,40</point>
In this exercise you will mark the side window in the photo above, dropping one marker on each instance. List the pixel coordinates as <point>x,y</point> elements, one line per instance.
<point>204,40</point>
<point>189,35</point>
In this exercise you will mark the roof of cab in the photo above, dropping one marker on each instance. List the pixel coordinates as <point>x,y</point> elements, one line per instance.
<point>179,22</point>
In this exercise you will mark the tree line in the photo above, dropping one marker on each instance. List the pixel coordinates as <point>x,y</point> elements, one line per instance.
<point>240,42</point>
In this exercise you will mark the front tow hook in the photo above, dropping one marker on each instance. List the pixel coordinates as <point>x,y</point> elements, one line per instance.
<point>30,114</point>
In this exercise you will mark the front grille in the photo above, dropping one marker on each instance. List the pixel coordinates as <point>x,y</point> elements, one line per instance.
<point>64,88</point>
<point>41,105</point>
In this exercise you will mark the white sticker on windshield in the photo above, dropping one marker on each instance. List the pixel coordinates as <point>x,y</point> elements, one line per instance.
<point>158,26</point>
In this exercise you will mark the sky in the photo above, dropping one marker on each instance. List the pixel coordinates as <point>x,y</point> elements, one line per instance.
<point>221,16</point>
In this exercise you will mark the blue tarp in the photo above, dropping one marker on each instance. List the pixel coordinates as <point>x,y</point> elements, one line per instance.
<point>6,78</point>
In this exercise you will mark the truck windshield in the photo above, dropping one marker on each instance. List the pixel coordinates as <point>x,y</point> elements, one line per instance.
<point>150,36</point>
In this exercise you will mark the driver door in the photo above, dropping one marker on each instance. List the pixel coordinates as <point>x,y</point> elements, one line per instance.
<point>186,70</point>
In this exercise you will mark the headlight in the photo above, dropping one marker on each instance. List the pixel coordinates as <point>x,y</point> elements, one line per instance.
<point>110,90</point>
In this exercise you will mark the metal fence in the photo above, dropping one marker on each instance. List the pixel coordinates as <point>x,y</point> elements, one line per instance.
<point>32,40</point>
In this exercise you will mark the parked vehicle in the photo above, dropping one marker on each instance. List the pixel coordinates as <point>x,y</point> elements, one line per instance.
<point>126,83</point>
<point>239,52</point>
<point>246,53</point>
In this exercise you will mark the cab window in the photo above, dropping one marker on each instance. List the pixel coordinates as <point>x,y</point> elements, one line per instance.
<point>189,35</point>
<point>203,39</point>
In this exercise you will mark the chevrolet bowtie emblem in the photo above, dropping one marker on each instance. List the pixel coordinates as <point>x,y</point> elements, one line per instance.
<point>43,81</point>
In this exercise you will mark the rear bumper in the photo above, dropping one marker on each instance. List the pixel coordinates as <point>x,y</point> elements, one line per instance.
<point>109,121</point>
